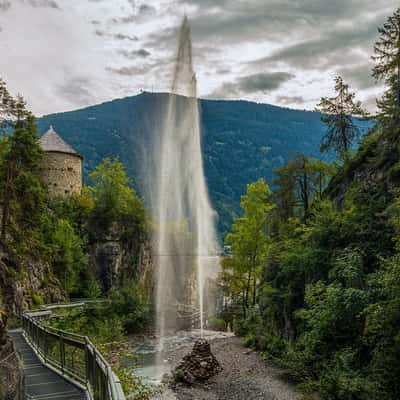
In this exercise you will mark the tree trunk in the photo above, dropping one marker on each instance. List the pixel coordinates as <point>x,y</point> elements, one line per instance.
<point>254,281</point>
<point>244,304</point>
<point>248,289</point>
<point>398,95</point>
<point>6,206</point>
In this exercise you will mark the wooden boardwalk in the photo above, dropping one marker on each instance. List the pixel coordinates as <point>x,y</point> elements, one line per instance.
<point>42,383</point>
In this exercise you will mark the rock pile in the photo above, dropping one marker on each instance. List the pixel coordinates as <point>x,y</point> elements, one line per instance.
<point>197,366</point>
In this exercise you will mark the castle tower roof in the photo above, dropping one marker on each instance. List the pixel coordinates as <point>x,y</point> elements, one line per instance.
<point>52,142</point>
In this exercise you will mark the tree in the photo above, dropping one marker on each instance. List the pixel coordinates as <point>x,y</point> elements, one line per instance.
<point>23,192</point>
<point>338,114</point>
<point>299,183</point>
<point>11,109</point>
<point>249,240</point>
<point>20,185</point>
<point>114,200</point>
<point>387,69</point>
<point>69,259</point>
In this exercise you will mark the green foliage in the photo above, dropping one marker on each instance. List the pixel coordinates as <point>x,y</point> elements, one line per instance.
<point>90,321</point>
<point>298,183</point>
<point>329,296</point>
<point>106,323</point>
<point>249,243</point>
<point>129,303</point>
<point>387,69</point>
<point>217,324</point>
<point>74,225</point>
<point>93,290</point>
<point>338,115</point>
<point>68,257</point>
<point>114,200</point>
<point>36,299</point>
<point>23,194</point>
<point>124,311</point>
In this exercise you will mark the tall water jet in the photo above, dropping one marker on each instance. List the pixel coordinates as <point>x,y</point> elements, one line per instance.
<point>185,238</point>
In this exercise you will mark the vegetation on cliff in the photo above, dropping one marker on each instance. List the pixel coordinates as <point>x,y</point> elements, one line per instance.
<point>328,298</point>
<point>46,242</point>
<point>46,245</point>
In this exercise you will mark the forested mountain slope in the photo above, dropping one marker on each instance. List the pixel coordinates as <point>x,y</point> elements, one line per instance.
<point>242,141</point>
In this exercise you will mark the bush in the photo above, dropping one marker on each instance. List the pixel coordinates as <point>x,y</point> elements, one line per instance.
<point>217,324</point>
<point>37,299</point>
<point>129,304</point>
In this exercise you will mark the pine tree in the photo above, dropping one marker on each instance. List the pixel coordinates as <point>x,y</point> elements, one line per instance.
<point>387,69</point>
<point>12,109</point>
<point>22,192</point>
<point>338,115</point>
<point>298,184</point>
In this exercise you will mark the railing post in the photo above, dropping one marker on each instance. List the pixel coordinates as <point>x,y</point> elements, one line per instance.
<point>45,348</point>
<point>87,367</point>
<point>62,352</point>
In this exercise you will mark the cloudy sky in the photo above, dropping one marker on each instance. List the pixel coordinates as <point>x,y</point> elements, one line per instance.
<point>66,54</point>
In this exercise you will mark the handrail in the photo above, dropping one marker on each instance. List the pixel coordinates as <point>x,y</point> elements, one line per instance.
<point>73,356</point>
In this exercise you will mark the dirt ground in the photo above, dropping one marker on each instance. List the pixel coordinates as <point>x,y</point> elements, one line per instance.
<point>245,376</point>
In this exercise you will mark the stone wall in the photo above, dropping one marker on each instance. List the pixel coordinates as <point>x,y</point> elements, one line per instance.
<point>62,173</point>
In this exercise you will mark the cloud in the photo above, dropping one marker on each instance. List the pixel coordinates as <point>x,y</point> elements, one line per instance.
<point>78,90</point>
<point>43,3</point>
<point>286,100</point>
<point>223,71</point>
<point>127,45</point>
<point>5,5</point>
<point>134,54</point>
<point>117,36</point>
<point>140,13</point>
<point>359,76</point>
<point>370,103</point>
<point>145,9</point>
<point>122,36</point>
<point>332,48</point>
<point>261,82</point>
<point>132,70</point>
<point>125,20</point>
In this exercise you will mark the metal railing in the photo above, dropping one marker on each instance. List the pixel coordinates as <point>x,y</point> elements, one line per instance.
<point>72,356</point>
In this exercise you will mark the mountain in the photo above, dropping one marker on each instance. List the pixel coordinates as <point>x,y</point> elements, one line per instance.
<point>242,141</point>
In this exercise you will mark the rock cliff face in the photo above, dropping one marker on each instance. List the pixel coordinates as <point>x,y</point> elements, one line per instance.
<point>24,284</point>
<point>11,375</point>
<point>374,169</point>
<point>117,259</point>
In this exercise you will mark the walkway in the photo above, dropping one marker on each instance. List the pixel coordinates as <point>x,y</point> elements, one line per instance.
<point>42,383</point>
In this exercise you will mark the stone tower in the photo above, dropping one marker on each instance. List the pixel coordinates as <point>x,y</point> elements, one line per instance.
<point>62,166</point>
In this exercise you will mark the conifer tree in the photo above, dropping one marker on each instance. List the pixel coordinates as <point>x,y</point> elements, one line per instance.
<point>22,192</point>
<point>299,183</point>
<point>338,114</point>
<point>387,69</point>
